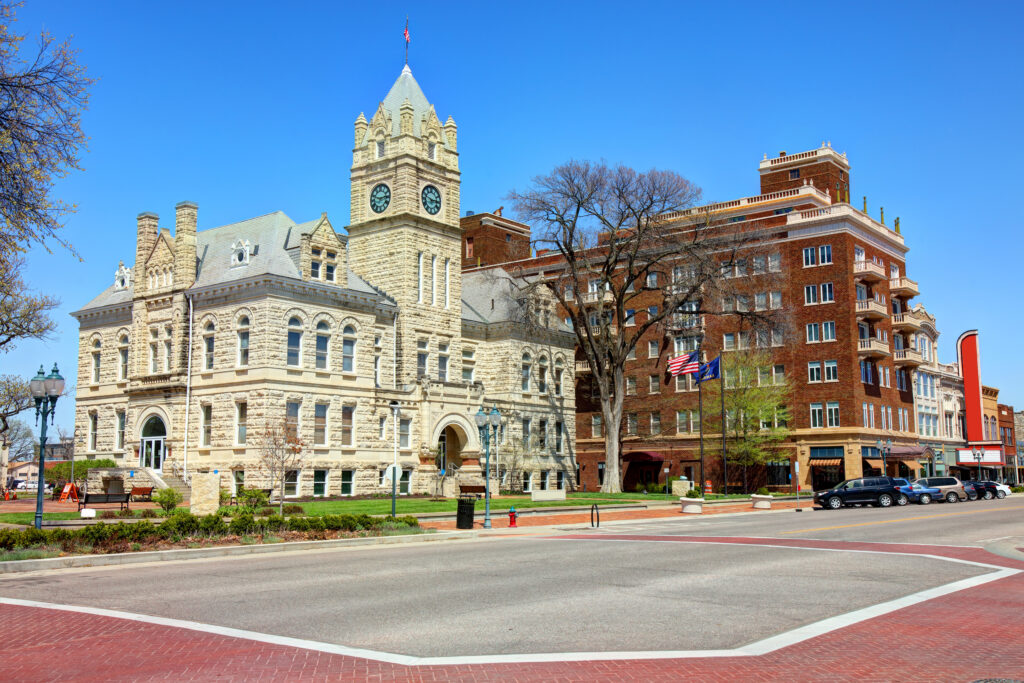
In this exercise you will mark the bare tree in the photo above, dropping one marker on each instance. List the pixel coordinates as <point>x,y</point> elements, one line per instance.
<point>43,93</point>
<point>20,441</point>
<point>15,398</point>
<point>621,235</point>
<point>279,450</point>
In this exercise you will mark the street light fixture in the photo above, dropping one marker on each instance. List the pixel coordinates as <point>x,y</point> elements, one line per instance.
<point>979,455</point>
<point>394,405</point>
<point>45,389</point>
<point>884,449</point>
<point>485,422</point>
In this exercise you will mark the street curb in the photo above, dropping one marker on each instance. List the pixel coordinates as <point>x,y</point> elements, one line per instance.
<point>114,559</point>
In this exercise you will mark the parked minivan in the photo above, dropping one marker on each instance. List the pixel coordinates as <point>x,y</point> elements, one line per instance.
<point>880,491</point>
<point>952,488</point>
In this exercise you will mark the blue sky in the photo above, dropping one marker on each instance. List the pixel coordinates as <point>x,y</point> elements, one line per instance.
<point>247,108</point>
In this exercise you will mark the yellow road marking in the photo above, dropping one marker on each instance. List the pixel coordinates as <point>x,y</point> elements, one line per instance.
<point>894,521</point>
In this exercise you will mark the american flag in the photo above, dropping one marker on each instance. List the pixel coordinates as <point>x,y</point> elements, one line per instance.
<point>406,33</point>
<point>686,364</point>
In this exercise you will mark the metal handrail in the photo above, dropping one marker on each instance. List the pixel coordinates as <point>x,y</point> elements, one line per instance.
<point>595,512</point>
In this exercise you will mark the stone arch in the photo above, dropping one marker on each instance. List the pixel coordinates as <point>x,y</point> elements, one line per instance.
<point>149,412</point>
<point>463,427</point>
<point>297,313</point>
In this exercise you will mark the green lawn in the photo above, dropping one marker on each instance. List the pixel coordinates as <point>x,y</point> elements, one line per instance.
<point>408,506</point>
<point>30,517</point>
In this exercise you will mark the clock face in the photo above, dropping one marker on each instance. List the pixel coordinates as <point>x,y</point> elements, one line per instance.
<point>431,199</point>
<point>380,197</point>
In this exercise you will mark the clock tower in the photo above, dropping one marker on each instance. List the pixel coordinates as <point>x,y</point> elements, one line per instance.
<point>404,236</point>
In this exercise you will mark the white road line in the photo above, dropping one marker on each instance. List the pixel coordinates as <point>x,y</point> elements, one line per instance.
<point>761,647</point>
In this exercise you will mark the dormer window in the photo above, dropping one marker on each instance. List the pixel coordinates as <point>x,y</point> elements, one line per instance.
<point>380,149</point>
<point>431,150</point>
<point>314,270</point>
<point>240,252</point>
<point>329,272</point>
<point>123,277</point>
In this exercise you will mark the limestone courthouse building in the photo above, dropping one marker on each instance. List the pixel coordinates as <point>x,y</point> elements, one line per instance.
<point>211,337</point>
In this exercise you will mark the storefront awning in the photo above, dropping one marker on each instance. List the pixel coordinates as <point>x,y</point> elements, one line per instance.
<point>826,462</point>
<point>874,462</point>
<point>643,456</point>
<point>906,453</point>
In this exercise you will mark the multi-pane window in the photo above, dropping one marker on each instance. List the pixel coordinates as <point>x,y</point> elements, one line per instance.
<point>542,434</point>
<point>758,265</point>
<point>419,277</point>
<point>825,254</point>
<point>119,444</point>
<point>294,341</point>
<point>421,358</point>
<point>630,386</point>
<point>314,270</point>
<point>167,349</point>
<point>828,331</point>
<point>323,344</point>
<point>827,294</point>
<point>243,341</point>
<point>729,341</point>
<point>832,413</point>
<point>291,420</point>
<point>810,257</point>
<point>208,346</point>
<point>559,428</point>
<point>814,371</point>
<point>760,301</point>
<point>238,481</point>
<point>831,371</point>
<point>526,434</point>
<point>329,272</point>
<point>122,372</point>
<point>655,423</point>
<point>527,481</point>
<point>96,362</point>
<point>779,374</point>
<point>207,426</point>
<point>653,384</point>
<point>558,377</point>
<point>631,424</point>
<point>596,427</point>
<point>652,349</point>
<point>813,332</point>
<point>816,415</point>
<point>241,422</point>
<point>442,362</point>
<point>320,425</point>
<point>525,371</point>
<point>346,482</point>
<point>468,363</point>
<point>810,294</point>
<point>347,419</point>
<point>774,263</point>
<point>404,426</point>
<point>93,430</point>
<point>542,376</point>
<point>154,352</point>
<point>652,280</point>
<point>291,483</point>
<point>319,483</point>
<point>775,300</point>
<point>348,349</point>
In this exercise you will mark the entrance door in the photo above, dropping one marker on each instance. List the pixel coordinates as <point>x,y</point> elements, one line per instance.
<point>151,450</point>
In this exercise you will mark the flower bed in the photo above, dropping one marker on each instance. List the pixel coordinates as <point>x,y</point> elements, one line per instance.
<point>184,530</point>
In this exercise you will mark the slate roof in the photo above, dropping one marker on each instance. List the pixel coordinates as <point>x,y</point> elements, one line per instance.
<point>406,88</point>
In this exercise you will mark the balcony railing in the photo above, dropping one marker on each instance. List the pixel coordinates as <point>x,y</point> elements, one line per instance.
<point>908,320</point>
<point>871,309</point>
<point>868,270</point>
<point>582,366</point>
<point>907,357</point>
<point>872,346</point>
<point>903,286</point>
<point>602,297</point>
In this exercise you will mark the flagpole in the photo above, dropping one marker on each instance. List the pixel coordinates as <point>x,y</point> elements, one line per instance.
<point>725,465</point>
<point>700,419</point>
<point>406,36</point>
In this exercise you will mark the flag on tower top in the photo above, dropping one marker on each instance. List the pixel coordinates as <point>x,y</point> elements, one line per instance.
<point>406,32</point>
<point>685,364</point>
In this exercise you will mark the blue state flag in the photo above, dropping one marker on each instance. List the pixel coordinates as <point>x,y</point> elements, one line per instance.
<point>709,371</point>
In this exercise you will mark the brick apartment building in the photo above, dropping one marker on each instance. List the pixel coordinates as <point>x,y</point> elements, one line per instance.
<point>845,344</point>
<point>1008,437</point>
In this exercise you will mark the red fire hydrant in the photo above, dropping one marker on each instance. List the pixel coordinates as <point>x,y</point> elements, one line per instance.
<point>512,516</point>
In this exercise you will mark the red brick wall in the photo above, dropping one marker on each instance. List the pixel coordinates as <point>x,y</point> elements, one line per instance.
<point>492,244</point>
<point>825,174</point>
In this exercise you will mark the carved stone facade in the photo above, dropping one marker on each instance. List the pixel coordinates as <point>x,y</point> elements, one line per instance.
<point>215,336</point>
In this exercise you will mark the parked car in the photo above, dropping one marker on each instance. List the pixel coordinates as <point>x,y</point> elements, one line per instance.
<point>903,497</point>
<point>952,489</point>
<point>880,491</point>
<point>922,494</point>
<point>986,489</point>
<point>1004,490</point>
<point>972,493</point>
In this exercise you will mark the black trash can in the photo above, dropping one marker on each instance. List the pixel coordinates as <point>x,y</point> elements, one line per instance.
<point>464,516</point>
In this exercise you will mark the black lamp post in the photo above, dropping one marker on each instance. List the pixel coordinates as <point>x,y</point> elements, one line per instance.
<point>884,449</point>
<point>45,390</point>
<point>485,422</point>
<point>395,407</point>
<point>979,455</point>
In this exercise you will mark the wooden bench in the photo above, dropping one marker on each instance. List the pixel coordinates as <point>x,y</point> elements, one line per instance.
<point>142,493</point>
<point>467,489</point>
<point>95,498</point>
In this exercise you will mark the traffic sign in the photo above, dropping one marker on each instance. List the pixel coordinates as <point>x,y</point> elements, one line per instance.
<point>393,473</point>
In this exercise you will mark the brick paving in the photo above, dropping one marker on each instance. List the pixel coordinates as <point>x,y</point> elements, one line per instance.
<point>934,640</point>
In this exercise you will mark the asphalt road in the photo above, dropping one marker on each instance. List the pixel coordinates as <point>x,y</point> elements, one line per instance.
<point>537,594</point>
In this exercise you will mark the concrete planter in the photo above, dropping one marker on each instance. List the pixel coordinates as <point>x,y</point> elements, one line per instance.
<point>692,506</point>
<point>761,502</point>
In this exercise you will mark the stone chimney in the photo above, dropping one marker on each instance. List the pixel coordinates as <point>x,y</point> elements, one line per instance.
<point>147,230</point>
<point>185,243</point>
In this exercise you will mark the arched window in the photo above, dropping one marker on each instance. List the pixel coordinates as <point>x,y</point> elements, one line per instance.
<point>122,352</point>
<point>323,343</point>
<point>348,349</point>
<point>542,376</point>
<point>526,372</point>
<point>208,346</point>
<point>294,341</point>
<point>558,377</point>
<point>96,361</point>
<point>243,341</point>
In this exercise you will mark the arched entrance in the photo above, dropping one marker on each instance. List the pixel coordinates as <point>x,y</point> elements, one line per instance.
<point>449,450</point>
<point>151,448</point>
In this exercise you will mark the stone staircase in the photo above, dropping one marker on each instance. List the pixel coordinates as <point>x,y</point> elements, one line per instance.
<point>164,480</point>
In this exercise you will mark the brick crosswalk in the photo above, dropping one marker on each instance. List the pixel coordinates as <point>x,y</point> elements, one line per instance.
<point>934,640</point>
